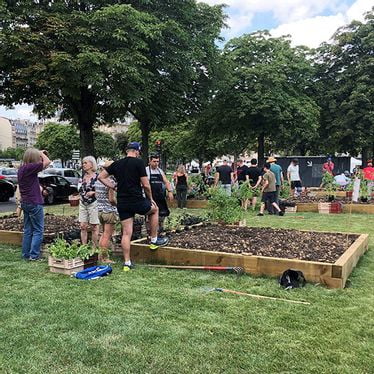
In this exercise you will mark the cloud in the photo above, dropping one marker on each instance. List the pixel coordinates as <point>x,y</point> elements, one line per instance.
<point>315,30</point>
<point>23,111</point>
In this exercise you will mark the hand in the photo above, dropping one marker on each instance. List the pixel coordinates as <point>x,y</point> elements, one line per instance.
<point>44,152</point>
<point>90,193</point>
<point>170,196</point>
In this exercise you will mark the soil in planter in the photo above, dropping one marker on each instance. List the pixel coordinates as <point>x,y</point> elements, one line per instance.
<point>52,223</point>
<point>293,244</point>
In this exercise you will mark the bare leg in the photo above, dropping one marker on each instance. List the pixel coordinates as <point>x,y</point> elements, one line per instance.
<point>262,208</point>
<point>153,221</point>
<point>254,202</point>
<point>276,206</point>
<point>126,237</point>
<point>84,226</point>
<point>95,234</point>
<point>104,242</point>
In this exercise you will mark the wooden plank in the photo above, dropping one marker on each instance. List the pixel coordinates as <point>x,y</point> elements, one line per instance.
<point>307,207</point>
<point>11,237</point>
<point>349,259</point>
<point>358,208</point>
<point>191,204</point>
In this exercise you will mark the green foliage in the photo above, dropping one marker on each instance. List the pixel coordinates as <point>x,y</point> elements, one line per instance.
<point>345,89</point>
<point>197,187</point>
<point>105,146</point>
<point>14,153</point>
<point>178,220</point>
<point>285,191</point>
<point>59,140</point>
<point>223,208</point>
<point>60,248</point>
<point>329,184</point>
<point>245,191</point>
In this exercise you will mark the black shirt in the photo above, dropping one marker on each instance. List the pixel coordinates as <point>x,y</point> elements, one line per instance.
<point>241,172</point>
<point>254,173</point>
<point>128,172</point>
<point>224,174</point>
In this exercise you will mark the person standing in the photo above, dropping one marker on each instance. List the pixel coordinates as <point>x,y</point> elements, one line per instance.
<point>159,184</point>
<point>108,215</point>
<point>88,210</point>
<point>241,172</point>
<point>224,177</point>
<point>278,172</point>
<point>269,191</point>
<point>32,201</point>
<point>181,186</point>
<point>131,176</point>
<point>293,177</point>
<point>368,174</point>
<point>254,175</point>
<point>328,166</point>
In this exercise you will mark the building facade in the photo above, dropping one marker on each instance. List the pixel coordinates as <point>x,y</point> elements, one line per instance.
<point>6,134</point>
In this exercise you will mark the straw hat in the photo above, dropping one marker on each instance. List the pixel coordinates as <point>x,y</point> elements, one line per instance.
<point>271,159</point>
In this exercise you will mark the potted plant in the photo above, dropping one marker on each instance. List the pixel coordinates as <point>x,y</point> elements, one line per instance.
<point>66,258</point>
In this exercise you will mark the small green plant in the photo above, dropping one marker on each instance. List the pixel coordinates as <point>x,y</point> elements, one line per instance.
<point>364,189</point>
<point>197,186</point>
<point>244,191</point>
<point>223,208</point>
<point>60,248</point>
<point>285,191</point>
<point>329,184</point>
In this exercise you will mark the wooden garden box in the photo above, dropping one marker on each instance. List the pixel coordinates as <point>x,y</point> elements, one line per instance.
<point>333,275</point>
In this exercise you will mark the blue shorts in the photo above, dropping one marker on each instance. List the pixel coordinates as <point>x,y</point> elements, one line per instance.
<point>128,210</point>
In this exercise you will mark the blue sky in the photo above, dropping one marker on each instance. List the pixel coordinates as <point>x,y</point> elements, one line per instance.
<point>308,22</point>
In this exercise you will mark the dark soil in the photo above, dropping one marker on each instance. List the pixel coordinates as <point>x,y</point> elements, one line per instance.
<point>52,223</point>
<point>293,244</point>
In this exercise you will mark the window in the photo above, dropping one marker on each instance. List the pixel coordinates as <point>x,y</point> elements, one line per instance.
<point>69,173</point>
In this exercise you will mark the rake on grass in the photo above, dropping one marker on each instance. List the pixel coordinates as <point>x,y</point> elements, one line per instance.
<point>225,290</point>
<point>237,269</point>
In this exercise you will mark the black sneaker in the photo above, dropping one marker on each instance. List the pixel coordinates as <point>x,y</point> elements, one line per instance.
<point>160,242</point>
<point>280,213</point>
<point>260,214</point>
<point>35,259</point>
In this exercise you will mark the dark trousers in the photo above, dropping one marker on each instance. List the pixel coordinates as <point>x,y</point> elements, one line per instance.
<point>182,196</point>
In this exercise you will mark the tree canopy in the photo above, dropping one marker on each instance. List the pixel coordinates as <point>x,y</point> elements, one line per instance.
<point>90,60</point>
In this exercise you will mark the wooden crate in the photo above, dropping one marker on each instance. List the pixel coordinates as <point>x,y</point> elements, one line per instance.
<point>333,275</point>
<point>324,208</point>
<point>291,209</point>
<point>62,266</point>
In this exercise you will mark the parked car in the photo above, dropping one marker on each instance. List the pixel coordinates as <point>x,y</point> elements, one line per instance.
<point>70,174</point>
<point>7,190</point>
<point>58,188</point>
<point>9,174</point>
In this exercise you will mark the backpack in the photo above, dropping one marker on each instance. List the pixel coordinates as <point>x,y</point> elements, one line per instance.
<point>292,279</point>
<point>94,272</point>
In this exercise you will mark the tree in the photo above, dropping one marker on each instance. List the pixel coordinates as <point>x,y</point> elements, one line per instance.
<point>346,89</point>
<point>59,140</point>
<point>105,146</point>
<point>13,153</point>
<point>264,94</point>
<point>90,60</point>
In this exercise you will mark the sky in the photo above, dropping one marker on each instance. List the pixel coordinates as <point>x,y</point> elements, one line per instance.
<point>308,22</point>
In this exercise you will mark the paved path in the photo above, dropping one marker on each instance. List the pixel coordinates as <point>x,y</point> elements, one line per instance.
<point>9,206</point>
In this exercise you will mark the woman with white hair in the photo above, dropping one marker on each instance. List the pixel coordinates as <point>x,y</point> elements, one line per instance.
<point>88,209</point>
<point>32,201</point>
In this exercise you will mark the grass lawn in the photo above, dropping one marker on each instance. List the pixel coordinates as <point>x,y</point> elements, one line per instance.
<point>161,321</point>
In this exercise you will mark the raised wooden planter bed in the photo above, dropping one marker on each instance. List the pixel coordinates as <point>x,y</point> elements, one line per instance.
<point>333,275</point>
<point>347,208</point>
<point>191,204</point>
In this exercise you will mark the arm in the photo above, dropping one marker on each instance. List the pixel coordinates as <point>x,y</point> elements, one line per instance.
<point>46,161</point>
<point>104,179</point>
<point>147,187</point>
<point>168,187</point>
<point>112,197</point>
<point>258,182</point>
<point>266,183</point>
<point>232,178</point>
<point>216,178</point>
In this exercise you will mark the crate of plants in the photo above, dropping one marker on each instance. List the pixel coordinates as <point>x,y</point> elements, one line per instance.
<point>68,258</point>
<point>74,199</point>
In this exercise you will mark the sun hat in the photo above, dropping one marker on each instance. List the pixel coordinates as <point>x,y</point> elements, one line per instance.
<point>271,159</point>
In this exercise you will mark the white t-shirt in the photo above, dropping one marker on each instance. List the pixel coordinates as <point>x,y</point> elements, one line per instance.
<point>294,172</point>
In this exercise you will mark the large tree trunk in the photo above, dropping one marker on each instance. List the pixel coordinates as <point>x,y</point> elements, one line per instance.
<point>84,110</point>
<point>144,126</point>
<point>261,149</point>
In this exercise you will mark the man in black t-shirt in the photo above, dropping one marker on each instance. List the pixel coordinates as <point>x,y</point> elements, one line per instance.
<point>132,179</point>
<point>255,176</point>
<point>225,177</point>
<point>241,172</point>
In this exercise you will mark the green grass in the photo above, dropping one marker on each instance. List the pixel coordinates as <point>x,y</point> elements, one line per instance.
<point>161,321</point>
